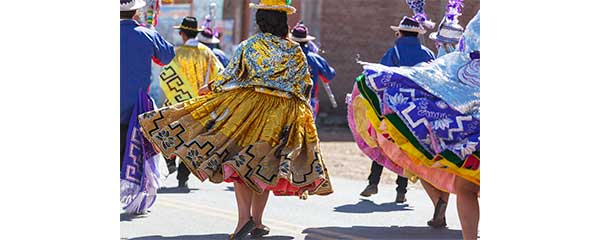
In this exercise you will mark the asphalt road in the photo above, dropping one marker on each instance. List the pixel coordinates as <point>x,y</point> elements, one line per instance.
<point>208,211</point>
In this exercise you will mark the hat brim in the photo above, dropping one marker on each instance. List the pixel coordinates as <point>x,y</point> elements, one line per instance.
<point>204,39</point>
<point>434,36</point>
<point>287,9</point>
<point>408,29</point>
<point>137,5</point>
<point>188,28</point>
<point>308,38</point>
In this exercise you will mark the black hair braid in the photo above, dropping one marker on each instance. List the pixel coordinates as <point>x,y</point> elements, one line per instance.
<point>274,22</point>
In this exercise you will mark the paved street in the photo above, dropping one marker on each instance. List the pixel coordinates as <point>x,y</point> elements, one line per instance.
<point>208,211</point>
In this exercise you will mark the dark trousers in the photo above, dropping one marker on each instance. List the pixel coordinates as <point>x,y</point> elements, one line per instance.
<point>124,128</point>
<point>183,173</point>
<point>375,176</point>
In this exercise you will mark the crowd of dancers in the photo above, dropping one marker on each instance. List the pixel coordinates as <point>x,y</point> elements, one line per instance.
<point>250,119</point>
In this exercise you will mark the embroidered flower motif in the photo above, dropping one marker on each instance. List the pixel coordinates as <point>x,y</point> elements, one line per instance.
<point>166,140</point>
<point>284,167</point>
<point>423,105</point>
<point>148,115</point>
<point>466,148</point>
<point>441,104</point>
<point>212,165</point>
<point>441,124</point>
<point>192,154</point>
<point>239,160</point>
<point>397,99</point>
<point>426,140</point>
<point>319,168</point>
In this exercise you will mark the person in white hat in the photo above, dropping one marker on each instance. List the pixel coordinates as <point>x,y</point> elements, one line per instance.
<point>194,64</point>
<point>407,51</point>
<point>450,31</point>
<point>319,67</point>
<point>208,38</point>
<point>139,47</point>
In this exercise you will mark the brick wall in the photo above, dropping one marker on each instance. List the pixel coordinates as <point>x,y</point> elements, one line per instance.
<point>350,27</point>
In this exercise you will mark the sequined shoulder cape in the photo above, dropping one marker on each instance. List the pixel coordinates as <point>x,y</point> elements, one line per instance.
<point>265,60</point>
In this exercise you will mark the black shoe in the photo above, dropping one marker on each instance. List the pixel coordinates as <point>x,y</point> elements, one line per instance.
<point>183,184</point>
<point>249,226</point>
<point>369,190</point>
<point>400,198</point>
<point>259,232</point>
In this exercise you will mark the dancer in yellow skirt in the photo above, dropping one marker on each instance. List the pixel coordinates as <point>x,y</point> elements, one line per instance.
<point>252,125</point>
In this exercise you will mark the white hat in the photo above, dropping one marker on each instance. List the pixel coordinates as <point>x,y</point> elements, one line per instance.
<point>409,25</point>
<point>207,36</point>
<point>448,32</point>
<point>130,5</point>
<point>300,33</point>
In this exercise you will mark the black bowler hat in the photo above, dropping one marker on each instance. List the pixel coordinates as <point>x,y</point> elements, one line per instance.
<point>189,23</point>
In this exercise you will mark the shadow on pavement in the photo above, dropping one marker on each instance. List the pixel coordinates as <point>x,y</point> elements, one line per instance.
<point>368,206</point>
<point>128,216</point>
<point>393,232</point>
<point>206,237</point>
<point>176,190</point>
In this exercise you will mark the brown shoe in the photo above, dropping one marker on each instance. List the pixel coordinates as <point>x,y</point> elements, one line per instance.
<point>369,190</point>
<point>400,198</point>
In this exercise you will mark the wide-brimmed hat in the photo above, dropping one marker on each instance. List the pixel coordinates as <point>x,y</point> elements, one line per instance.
<point>300,33</point>
<point>190,24</point>
<point>409,25</point>
<point>130,5</point>
<point>275,5</point>
<point>207,36</point>
<point>448,32</point>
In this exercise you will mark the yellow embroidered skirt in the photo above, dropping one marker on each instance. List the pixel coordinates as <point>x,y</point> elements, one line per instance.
<point>263,138</point>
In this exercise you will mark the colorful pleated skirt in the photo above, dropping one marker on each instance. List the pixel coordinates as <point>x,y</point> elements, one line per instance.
<point>265,139</point>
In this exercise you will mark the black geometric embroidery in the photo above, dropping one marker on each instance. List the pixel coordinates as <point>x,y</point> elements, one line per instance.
<point>206,148</point>
<point>174,83</point>
<point>155,122</point>
<point>178,135</point>
<point>248,174</point>
<point>315,160</point>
